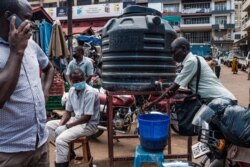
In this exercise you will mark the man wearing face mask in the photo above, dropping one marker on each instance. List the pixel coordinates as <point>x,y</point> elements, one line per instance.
<point>82,62</point>
<point>84,102</point>
<point>209,85</point>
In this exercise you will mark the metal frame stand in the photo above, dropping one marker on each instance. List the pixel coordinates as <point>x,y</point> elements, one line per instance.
<point>111,135</point>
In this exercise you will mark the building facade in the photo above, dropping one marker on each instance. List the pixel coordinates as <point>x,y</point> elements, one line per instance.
<point>35,3</point>
<point>244,42</point>
<point>57,3</point>
<point>196,25</point>
<point>206,24</point>
<point>223,24</point>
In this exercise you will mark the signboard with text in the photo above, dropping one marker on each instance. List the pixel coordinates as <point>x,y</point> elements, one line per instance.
<point>89,11</point>
<point>61,12</point>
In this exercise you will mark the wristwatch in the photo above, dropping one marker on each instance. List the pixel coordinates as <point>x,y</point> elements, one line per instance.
<point>67,126</point>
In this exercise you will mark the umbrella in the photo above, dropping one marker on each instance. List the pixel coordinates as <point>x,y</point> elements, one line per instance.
<point>58,46</point>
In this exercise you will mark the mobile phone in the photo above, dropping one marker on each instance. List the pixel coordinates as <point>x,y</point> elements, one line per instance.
<point>18,20</point>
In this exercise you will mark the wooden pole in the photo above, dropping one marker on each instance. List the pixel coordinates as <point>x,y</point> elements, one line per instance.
<point>70,4</point>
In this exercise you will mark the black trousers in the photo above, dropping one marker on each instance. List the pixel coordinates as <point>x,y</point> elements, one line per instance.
<point>217,71</point>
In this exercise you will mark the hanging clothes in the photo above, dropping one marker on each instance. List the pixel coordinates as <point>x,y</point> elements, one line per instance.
<point>36,33</point>
<point>45,29</point>
<point>58,46</point>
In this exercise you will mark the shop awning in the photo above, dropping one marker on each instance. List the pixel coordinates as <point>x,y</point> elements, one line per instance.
<point>172,18</point>
<point>40,14</point>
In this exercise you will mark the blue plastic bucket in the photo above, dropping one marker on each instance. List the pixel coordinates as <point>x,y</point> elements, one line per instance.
<point>153,129</point>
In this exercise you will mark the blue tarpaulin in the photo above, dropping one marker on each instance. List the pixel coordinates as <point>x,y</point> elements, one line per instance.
<point>45,29</point>
<point>201,50</point>
<point>89,39</point>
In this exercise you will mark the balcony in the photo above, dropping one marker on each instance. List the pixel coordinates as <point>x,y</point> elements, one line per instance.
<point>225,39</point>
<point>195,27</point>
<point>192,1</point>
<point>168,13</point>
<point>141,1</point>
<point>221,11</point>
<point>246,26</point>
<point>223,26</point>
<point>196,12</point>
<point>246,6</point>
<point>34,2</point>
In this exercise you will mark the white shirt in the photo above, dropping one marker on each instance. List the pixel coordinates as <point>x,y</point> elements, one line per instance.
<point>86,103</point>
<point>218,61</point>
<point>209,84</point>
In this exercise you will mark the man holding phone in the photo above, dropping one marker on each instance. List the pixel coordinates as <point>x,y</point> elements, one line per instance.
<point>23,135</point>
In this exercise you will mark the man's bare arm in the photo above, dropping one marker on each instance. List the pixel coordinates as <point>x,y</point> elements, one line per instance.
<point>65,118</point>
<point>82,120</point>
<point>47,79</point>
<point>167,94</point>
<point>18,41</point>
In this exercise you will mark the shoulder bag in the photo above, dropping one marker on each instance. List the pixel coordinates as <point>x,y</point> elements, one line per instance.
<point>187,110</point>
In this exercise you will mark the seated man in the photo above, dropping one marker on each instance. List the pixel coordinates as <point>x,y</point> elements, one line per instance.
<point>84,102</point>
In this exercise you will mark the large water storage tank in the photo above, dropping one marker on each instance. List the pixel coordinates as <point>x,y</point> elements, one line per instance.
<point>136,51</point>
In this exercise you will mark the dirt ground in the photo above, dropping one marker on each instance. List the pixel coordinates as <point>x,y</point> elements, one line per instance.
<point>237,83</point>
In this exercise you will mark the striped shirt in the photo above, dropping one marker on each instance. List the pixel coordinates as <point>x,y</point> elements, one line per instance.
<point>23,116</point>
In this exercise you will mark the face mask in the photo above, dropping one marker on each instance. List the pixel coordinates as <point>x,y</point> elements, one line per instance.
<point>79,85</point>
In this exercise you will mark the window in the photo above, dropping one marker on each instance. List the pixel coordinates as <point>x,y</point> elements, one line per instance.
<point>197,20</point>
<point>237,36</point>
<point>63,4</point>
<point>221,20</point>
<point>198,37</point>
<point>196,8</point>
<point>107,1</point>
<point>171,8</point>
<point>220,6</point>
<point>237,7</point>
<point>84,2</point>
<point>196,5</point>
<point>50,5</point>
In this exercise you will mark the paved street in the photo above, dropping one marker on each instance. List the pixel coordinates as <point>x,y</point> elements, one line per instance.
<point>238,84</point>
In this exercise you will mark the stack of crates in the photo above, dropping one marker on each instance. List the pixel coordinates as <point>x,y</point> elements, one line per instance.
<point>55,94</point>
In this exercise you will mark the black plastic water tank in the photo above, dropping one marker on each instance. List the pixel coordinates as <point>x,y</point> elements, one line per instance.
<point>136,51</point>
